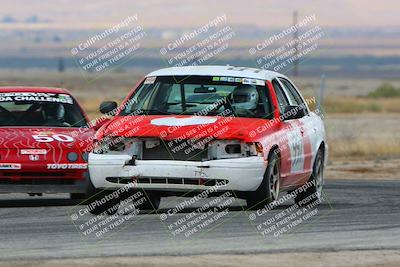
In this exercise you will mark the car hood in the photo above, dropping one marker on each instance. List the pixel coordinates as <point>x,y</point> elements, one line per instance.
<point>170,127</point>
<point>45,138</point>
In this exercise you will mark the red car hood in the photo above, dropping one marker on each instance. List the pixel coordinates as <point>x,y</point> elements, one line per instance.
<point>171,127</point>
<point>56,138</point>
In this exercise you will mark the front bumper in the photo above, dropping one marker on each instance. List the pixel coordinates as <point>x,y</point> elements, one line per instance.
<point>109,171</point>
<point>79,186</point>
<point>43,181</point>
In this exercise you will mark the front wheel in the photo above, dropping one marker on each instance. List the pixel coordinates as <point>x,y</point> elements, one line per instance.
<point>103,201</point>
<point>77,196</point>
<point>268,191</point>
<point>149,201</point>
<point>152,202</point>
<point>314,192</point>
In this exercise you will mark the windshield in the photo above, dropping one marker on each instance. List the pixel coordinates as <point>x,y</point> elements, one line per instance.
<point>39,109</point>
<point>200,95</point>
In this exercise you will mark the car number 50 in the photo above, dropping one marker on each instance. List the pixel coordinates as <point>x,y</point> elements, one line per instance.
<point>47,139</point>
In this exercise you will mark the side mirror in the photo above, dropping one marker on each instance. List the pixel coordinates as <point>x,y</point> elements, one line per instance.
<point>107,106</point>
<point>293,112</point>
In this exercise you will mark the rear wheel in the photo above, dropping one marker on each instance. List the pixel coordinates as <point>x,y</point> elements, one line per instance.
<point>316,181</point>
<point>268,191</point>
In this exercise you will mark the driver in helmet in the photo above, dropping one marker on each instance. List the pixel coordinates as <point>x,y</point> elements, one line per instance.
<point>245,100</point>
<point>54,113</point>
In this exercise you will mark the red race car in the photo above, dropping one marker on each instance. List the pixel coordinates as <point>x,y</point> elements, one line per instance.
<point>44,137</point>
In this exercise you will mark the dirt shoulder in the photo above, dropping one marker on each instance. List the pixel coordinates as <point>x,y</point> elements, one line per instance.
<point>388,169</point>
<point>382,258</point>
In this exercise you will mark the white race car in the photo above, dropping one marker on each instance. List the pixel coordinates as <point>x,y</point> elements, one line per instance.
<point>189,129</point>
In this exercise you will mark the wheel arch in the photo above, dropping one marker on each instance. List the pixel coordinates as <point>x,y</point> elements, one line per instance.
<point>323,147</point>
<point>274,149</point>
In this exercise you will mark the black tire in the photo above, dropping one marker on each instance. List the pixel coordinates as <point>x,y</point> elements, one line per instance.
<point>268,191</point>
<point>97,204</point>
<point>152,202</point>
<point>314,192</point>
<point>77,196</point>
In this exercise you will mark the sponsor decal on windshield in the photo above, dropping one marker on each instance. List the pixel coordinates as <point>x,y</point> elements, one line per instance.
<point>150,80</point>
<point>239,80</point>
<point>37,97</point>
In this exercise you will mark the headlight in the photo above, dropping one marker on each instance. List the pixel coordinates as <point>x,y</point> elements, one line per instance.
<point>109,144</point>
<point>233,149</point>
<point>97,147</point>
<point>116,145</point>
<point>226,149</point>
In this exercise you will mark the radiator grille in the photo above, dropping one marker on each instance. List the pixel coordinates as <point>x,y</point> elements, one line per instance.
<point>159,180</point>
<point>175,152</point>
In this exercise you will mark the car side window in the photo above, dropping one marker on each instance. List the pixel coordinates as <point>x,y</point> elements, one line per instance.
<point>280,94</point>
<point>293,94</point>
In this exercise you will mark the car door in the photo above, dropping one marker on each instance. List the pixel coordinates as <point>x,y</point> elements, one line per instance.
<point>303,160</point>
<point>291,147</point>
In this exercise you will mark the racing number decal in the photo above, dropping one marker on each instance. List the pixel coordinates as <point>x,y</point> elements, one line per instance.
<point>44,138</point>
<point>296,150</point>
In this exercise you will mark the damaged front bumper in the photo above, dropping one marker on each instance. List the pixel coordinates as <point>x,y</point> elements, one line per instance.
<point>111,171</point>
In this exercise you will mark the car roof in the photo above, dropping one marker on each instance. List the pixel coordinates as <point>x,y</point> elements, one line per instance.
<point>33,89</point>
<point>214,70</point>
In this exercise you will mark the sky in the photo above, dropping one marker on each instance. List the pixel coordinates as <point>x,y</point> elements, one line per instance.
<point>181,13</point>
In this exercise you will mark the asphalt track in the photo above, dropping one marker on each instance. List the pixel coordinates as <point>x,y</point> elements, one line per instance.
<point>356,215</point>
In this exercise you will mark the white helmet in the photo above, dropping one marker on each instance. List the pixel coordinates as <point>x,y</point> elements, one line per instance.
<point>245,96</point>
